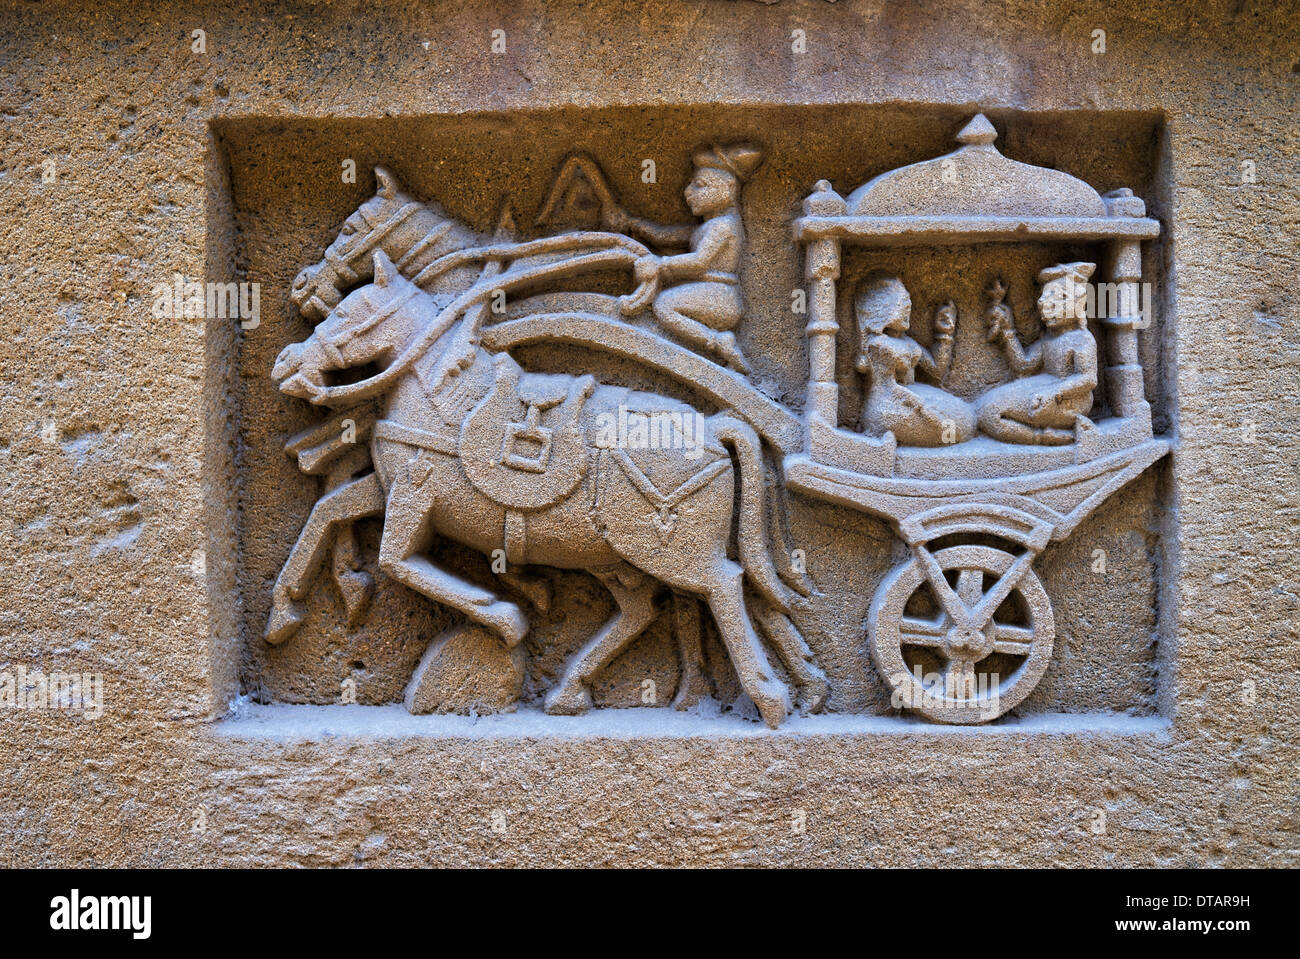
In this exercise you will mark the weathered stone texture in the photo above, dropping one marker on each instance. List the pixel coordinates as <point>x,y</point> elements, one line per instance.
<point>127,466</point>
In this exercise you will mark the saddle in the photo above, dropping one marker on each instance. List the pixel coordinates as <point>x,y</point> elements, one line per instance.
<point>522,445</point>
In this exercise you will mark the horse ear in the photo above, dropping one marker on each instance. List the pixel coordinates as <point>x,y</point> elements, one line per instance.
<point>388,185</point>
<point>384,269</point>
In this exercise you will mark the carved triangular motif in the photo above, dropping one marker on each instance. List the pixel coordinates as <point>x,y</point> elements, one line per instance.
<point>577,195</point>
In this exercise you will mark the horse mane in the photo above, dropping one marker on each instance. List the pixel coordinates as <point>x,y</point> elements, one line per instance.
<point>463,347</point>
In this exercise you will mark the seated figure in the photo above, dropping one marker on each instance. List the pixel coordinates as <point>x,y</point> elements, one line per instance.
<point>1056,375</point>
<point>917,414</point>
<point>700,299</point>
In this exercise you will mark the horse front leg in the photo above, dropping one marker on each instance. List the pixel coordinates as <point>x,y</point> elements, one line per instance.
<point>350,502</point>
<point>404,523</point>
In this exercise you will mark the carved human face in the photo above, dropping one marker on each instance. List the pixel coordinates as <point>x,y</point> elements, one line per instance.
<point>1063,302</point>
<point>710,191</point>
<point>884,307</point>
<point>900,320</point>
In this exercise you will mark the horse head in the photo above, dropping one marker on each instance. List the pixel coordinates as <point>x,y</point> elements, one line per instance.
<point>372,324</point>
<point>409,232</point>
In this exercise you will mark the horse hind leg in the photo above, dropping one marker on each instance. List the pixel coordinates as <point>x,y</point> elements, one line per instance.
<point>798,658</point>
<point>727,602</point>
<point>633,591</point>
<point>693,684</point>
<point>352,501</point>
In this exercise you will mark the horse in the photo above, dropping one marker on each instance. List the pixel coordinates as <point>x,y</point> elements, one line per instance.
<point>518,464</point>
<point>439,254</point>
<point>412,233</point>
<point>430,247</point>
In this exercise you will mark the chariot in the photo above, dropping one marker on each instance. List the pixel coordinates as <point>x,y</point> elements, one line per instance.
<point>975,514</point>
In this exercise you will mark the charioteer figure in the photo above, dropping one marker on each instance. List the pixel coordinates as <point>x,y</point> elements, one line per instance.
<point>700,299</point>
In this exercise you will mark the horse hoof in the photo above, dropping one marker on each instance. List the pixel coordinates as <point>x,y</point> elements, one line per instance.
<point>690,691</point>
<point>773,708</point>
<point>812,696</point>
<point>724,344</point>
<point>357,588</point>
<point>507,619</point>
<point>286,616</point>
<point>568,700</point>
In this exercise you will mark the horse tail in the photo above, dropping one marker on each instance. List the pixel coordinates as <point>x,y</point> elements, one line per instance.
<point>778,523</point>
<point>755,556</point>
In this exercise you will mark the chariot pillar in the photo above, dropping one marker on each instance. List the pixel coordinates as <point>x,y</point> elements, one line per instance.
<point>1123,372</point>
<point>821,270</point>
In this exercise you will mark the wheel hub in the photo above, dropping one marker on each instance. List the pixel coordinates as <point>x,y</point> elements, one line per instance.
<point>967,643</point>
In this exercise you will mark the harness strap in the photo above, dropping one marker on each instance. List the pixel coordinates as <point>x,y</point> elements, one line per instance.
<point>515,537</point>
<point>659,500</point>
<point>430,238</point>
<point>342,261</point>
<point>478,293</point>
<point>421,439</point>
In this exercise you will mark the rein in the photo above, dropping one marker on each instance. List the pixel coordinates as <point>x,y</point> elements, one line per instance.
<point>620,251</point>
<point>548,244</point>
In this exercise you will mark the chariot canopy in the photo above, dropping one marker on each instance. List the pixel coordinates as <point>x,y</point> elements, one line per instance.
<point>973,194</point>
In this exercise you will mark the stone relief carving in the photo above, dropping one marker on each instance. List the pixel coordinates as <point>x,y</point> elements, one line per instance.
<point>917,414</point>
<point>1044,407</point>
<point>452,437</point>
<point>697,294</point>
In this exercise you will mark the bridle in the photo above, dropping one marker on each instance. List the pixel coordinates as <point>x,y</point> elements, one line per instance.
<point>341,261</point>
<point>334,342</point>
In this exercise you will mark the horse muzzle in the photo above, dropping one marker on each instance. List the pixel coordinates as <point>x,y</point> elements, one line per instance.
<point>315,292</point>
<point>287,363</point>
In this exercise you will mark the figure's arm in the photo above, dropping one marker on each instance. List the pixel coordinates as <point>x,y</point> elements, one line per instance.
<point>936,361</point>
<point>1021,360</point>
<point>709,245</point>
<point>1002,330</point>
<point>928,364</point>
<point>648,231</point>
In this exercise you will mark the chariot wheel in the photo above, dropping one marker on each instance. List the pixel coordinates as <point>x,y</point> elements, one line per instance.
<point>966,649</point>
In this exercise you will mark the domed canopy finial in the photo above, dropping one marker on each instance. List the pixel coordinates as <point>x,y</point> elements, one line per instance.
<point>978,131</point>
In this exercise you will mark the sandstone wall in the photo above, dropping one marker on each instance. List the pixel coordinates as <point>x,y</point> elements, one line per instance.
<point>136,453</point>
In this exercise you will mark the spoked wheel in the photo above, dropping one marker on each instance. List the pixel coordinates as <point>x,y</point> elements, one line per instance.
<point>963,634</point>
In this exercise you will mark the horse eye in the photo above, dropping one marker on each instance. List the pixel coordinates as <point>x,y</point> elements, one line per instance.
<point>348,229</point>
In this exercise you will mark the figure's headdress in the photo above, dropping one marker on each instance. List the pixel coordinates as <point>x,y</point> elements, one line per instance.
<point>1077,275</point>
<point>1078,272</point>
<point>879,299</point>
<point>738,159</point>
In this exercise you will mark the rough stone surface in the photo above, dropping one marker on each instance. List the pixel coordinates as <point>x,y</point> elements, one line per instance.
<point>465,670</point>
<point>150,503</point>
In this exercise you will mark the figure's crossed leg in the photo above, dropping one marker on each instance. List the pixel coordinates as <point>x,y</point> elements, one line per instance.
<point>702,315</point>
